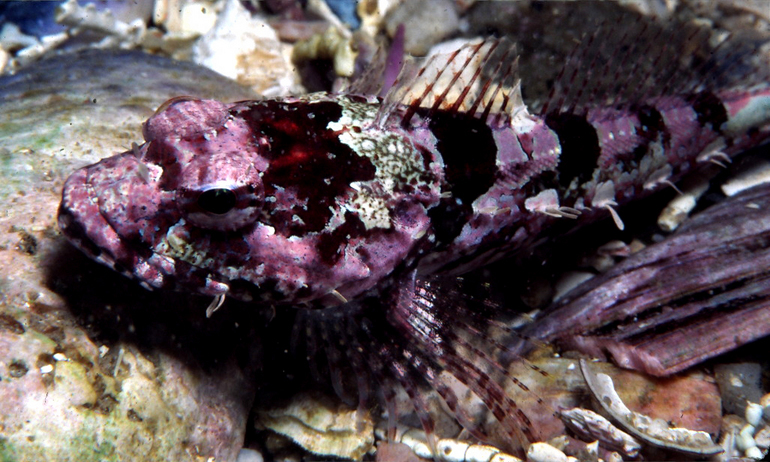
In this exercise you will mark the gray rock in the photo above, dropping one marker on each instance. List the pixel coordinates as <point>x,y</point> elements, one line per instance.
<point>93,367</point>
<point>74,109</point>
<point>739,383</point>
<point>426,22</point>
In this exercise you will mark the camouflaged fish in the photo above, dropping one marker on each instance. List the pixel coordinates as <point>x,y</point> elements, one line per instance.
<point>342,204</point>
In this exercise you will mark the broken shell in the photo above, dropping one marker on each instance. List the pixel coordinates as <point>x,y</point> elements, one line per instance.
<point>320,426</point>
<point>246,49</point>
<point>88,18</point>
<point>655,432</point>
<point>593,426</point>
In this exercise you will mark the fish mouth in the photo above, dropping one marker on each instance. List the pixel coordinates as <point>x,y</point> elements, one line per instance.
<point>82,223</point>
<point>90,214</point>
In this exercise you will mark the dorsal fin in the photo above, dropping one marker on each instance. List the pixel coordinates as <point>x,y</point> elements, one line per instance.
<point>476,77</point>
<point>381,73</point>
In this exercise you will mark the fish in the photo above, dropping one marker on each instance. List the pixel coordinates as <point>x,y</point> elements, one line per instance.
<point>347,206</point>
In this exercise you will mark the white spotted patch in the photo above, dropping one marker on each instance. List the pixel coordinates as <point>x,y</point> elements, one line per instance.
<point>396,161</point>
<point>176,247</point>
<point>371,209</point>
<point>357,114</point>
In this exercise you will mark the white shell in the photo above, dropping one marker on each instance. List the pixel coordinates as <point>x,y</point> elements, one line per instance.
<point>322,427</point>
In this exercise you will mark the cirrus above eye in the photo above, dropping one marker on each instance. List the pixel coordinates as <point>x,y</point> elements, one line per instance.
<point>217,200</point>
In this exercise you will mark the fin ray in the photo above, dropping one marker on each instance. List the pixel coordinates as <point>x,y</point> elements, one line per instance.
<point>478,77</point>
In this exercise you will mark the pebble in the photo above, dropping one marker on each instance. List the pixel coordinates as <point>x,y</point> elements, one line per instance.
<point>739,383</point>
<point>425,23</point>
<point>249,455</point>
<point>543,452</point>
<point>754,414</point>
<point>755,173</point>
<point>745,438</point>
<point>680,206</point>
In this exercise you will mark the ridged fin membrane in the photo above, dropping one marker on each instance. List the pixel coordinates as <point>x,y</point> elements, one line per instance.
<point>477,78</point>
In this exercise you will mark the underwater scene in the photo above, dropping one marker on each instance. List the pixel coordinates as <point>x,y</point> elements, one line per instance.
<point>384,230</point>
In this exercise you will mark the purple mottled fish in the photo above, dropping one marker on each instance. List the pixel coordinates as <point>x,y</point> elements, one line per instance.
<point>343,204</point>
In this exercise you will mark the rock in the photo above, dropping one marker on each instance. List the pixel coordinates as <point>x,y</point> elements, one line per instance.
<point>346,11</point>
<point>739,383</point>
<point>321,425</point>
<point>245,48</point>
<point>426,23</point>
<point>74,109</point>
<point>92,366</point>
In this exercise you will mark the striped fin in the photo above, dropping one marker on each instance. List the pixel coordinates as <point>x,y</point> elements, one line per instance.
<point>477,78</point>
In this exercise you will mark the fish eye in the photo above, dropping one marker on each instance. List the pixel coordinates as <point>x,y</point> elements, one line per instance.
<point>223,199</point>
<point>217,201</point>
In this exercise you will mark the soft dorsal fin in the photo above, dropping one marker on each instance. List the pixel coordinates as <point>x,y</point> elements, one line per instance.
<point>476,77</point>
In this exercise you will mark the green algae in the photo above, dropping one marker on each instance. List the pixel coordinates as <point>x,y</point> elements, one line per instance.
<point>7,451</point>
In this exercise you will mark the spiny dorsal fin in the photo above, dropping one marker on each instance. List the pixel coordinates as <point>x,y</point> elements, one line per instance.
<point>380,75</point>
<point>476,77</point>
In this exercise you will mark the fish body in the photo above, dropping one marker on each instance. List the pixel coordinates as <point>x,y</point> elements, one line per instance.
<point>320,199</point>
<point>345,204</point>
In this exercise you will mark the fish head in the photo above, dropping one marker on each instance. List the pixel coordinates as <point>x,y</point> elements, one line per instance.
<point>261,200</point>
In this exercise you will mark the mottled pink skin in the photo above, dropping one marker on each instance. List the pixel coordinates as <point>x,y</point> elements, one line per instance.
<point>139,208</point>
<point>636,154</point>
<point>320,199</point>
